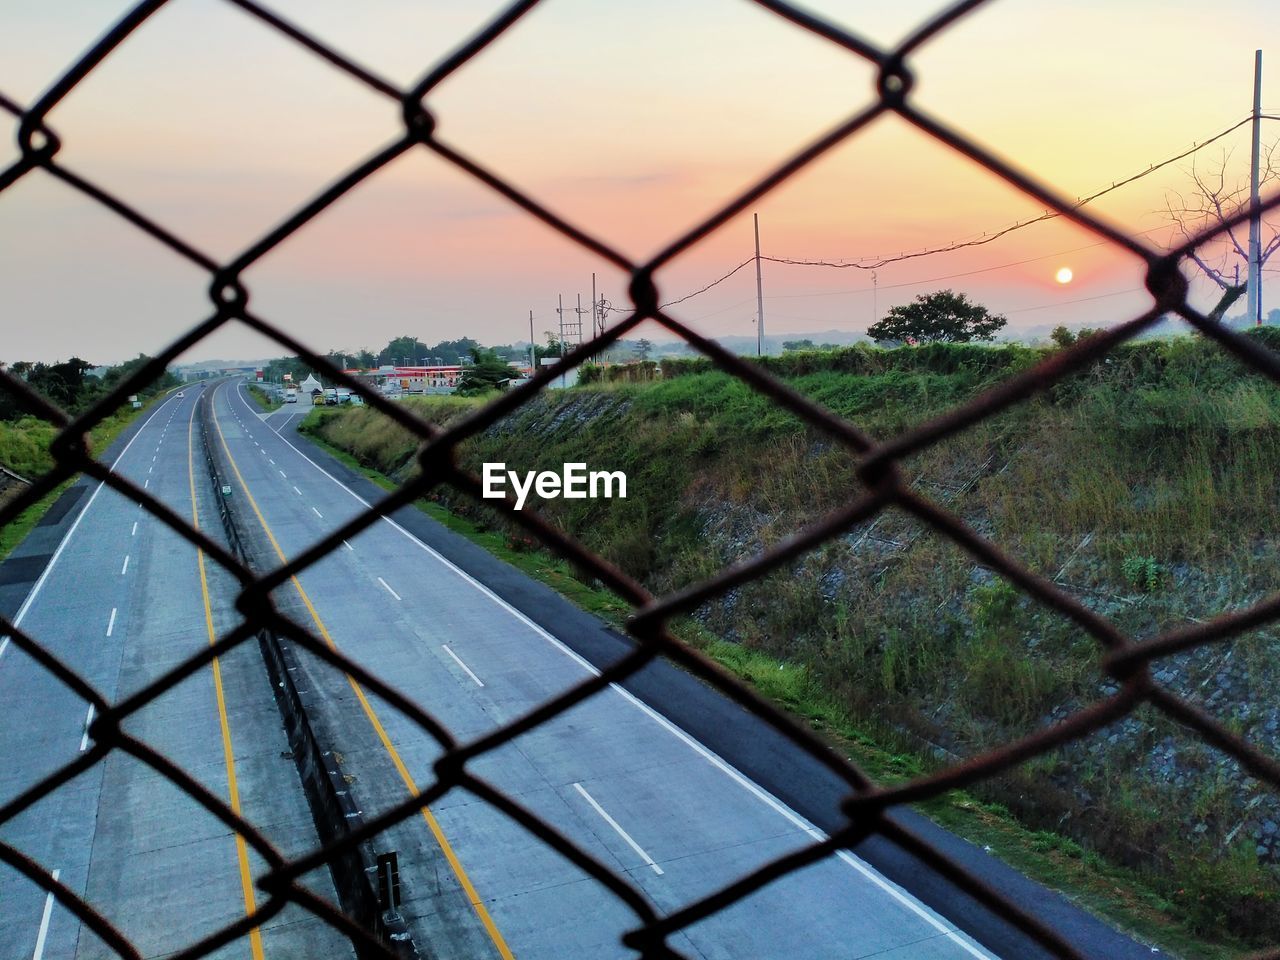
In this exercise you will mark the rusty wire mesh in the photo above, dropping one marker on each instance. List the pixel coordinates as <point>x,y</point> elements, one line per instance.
<point>1127,659</point>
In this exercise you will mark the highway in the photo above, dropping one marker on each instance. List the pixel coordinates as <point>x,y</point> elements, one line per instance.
<point>623,782</point>
<point>123,599</point>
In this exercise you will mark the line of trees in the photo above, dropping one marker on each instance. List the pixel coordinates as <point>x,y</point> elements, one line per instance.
<point>403,351</point>
<point>70,385</point>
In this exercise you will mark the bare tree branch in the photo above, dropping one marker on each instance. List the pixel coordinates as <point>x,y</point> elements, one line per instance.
<point>1215,195</point>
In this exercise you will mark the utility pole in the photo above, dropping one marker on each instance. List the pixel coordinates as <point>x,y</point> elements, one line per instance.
<point>580,311</point>
<point>533,350</point>
<point>560,314</point>
<point>875,289</point>
<point>1255,243</point>
<point>759,293</point>
<point>597,321</point>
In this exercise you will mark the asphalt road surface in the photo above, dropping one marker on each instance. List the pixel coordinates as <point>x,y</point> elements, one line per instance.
<point>612,774</point>
<point>121,602</point>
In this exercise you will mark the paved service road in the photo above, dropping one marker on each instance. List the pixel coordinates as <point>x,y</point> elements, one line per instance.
<point>620,780</point>
<point>122,601</point>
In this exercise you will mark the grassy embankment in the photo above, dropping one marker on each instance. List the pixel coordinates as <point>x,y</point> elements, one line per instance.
<point>263,399</point>
<point>1145,486</point>
<point>24,449</point>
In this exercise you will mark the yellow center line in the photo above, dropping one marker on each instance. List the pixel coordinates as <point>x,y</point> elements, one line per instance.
<point>447,848</point>
<point>242,849</point>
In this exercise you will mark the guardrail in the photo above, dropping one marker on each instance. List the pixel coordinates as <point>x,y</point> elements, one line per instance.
<point>332,800</point>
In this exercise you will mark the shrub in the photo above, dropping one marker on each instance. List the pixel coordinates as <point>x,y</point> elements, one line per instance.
<point>1142,573</point>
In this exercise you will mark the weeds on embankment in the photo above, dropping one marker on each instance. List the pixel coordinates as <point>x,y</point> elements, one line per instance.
<point>25,449</point>
<point>1146,485</point>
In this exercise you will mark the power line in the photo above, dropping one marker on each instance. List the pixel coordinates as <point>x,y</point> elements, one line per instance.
<point>690,296</point>
<point>1061,303</point>
<point>1042,306</point>
<point>872,263</point>
<point>952,276</point>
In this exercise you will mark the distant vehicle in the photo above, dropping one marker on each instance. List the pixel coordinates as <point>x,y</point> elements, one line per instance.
<point>291,395</point>
<point>181,394</point>
<point>330,397</point>
<point>317,398</point>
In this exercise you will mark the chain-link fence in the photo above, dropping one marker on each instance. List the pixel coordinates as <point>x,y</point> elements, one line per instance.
<point>1127,659</point>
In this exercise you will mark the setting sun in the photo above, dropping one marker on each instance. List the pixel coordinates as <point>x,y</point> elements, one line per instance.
<point>1064,275</point>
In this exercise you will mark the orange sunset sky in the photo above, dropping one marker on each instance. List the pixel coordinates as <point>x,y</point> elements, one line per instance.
<point>632,120</point>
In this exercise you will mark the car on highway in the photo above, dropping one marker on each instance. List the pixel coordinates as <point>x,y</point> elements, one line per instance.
<point>181,394</point>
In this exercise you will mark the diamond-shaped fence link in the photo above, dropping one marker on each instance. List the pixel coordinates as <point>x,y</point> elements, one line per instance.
<point>1127,659</point>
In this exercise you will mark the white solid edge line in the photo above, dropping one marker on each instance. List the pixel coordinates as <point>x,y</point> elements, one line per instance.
<point>389,590</point>
<point>286,422</point>
<point>617,829</point>
<point>111,623</point>
<point>35,589</point>
<point>88,720</point>
<point>44,921</point>
<point>888,886</point>
<point>458,661</point>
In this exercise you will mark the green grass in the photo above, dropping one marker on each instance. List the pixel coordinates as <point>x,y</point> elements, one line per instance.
<point>15,532</point>
<point>1122,896</point>
<point>27,442</point>
<point>263,399</point>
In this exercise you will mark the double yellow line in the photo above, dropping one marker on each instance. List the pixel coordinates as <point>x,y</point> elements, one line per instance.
<point>455,864</point>
<point>242,849</point>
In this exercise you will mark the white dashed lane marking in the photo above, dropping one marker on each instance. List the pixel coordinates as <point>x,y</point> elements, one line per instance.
<point>458,661</point>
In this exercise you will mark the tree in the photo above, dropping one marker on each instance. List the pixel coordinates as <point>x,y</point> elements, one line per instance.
<point>552,349</point>
<point>60,382</point>
<point>452,351</point>
<point>942,317</point>
<point>487,371</point>
<point>1063,337</point>
<point>403,351</point>
<point>340,358</point>
<point>789,346</point>
<point>1212,197</point>
<point>296,367</point>
<point>643,349</point>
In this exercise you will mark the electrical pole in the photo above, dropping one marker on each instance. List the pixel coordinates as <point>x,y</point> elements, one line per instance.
<point>560,314</point>
<point>579,312</point>
<point>875,289</point>
<point>533,350</point>
<point>597,328</point>
<point>759,293</point>
<point>1255,243</point>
